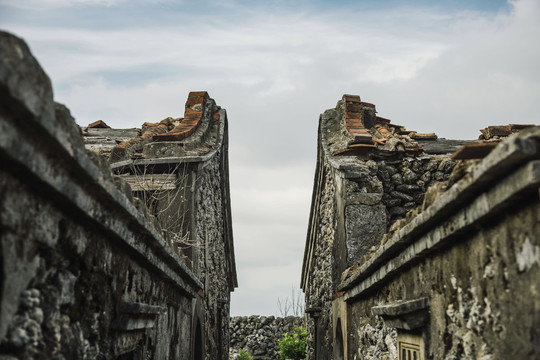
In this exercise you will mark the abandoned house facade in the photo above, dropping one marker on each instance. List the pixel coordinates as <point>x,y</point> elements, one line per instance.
<point>115,244</point>
<point>419,247</point>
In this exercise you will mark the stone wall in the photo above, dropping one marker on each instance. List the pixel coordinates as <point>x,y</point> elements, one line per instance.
<point>182,177</point>
<point>462,279</point>
<point>260,335</point>
<point>356,201</point>
<point>214,269</point>
<point>413,254</point>
<point>84,273</point>
<point>131,264</point>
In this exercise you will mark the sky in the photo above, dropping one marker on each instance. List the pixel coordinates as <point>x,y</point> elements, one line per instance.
<point>450,66</point>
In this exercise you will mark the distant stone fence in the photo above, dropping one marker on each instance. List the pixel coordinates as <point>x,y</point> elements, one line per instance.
<point>260,335</point>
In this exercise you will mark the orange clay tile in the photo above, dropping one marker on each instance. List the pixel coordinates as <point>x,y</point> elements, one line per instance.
<point>474,151</point>
<point>368,104</point>
<point>353,119</point>
<point>354,98</point>
<point>190,122</point>
<point>499,130</point>
<point>100,124</point>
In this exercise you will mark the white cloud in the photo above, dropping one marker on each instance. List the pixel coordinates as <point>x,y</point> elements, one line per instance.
<point>486,76</point>
<point>275,72</point>
<point>270,221</point>
<point>55,4</point>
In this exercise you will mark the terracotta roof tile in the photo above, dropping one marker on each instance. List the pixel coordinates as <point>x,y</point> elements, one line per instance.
<point>474,151</point>
<point>368,104</point>
<point>99,124</point>
<point>353,120</point>
<point>354,98</point>
<point>192,118</point>
<point>353,107</point>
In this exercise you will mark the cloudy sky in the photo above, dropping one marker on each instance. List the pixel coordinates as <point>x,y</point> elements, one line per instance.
<point>448,66</point>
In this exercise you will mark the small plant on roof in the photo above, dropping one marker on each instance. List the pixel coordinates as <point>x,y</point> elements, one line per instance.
<point>244,355</point>
<point>293,346</point>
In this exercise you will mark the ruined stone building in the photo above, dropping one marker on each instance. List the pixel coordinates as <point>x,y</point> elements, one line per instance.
<point>419,247</point>
<point>122,250</point>
<point>117,243</point>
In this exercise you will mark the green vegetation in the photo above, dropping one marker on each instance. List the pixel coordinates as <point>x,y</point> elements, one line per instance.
<point>244,355</point>
<point>293,346</point>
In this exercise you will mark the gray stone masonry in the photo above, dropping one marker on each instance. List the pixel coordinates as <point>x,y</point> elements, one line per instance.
<point>406,246</point>
<point>91,268</point>
<point>260,335</point>
<point>84,274</point>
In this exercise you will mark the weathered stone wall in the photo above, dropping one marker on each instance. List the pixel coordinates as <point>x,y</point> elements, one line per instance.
<point>320,282</point>
<point>182,177</point>
<point>260,335</point>
<point>409,249</point>
<point>380,192</point>
<point>355,202</point>
<point>214,269</point>
<point>405,181</point>
<point>91,267</point>
<point>352,210</point>
<point>481,296</point>
<point>455,276</point>
<point>84,274</point>
<point>184,183</point>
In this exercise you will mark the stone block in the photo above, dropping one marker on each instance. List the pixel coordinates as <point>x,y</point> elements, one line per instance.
<point>357,198</point>
<point>365,225</point>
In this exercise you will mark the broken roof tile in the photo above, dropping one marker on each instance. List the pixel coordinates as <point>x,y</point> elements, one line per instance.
<point>196,97</point>
<point>353,106</point>
<point>100,124</point>
<point>498,130</point>
<point>353,98</point>
<point>420,136</point>
<point>474,151</point>
<point>368,104</point>
<point>518,127</point>
<point>382,121</point>
<point>190,122</point>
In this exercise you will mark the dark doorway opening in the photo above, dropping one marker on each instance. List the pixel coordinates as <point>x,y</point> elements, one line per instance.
<point>198,346</point>
<point>339,351</point>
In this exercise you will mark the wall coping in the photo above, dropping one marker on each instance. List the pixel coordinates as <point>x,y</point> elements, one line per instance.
<point>406,315</point>
<point>124,164</point>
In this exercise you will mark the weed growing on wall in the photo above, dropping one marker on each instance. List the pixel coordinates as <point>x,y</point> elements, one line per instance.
<point>293,346</point>
<point>244,355</point>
